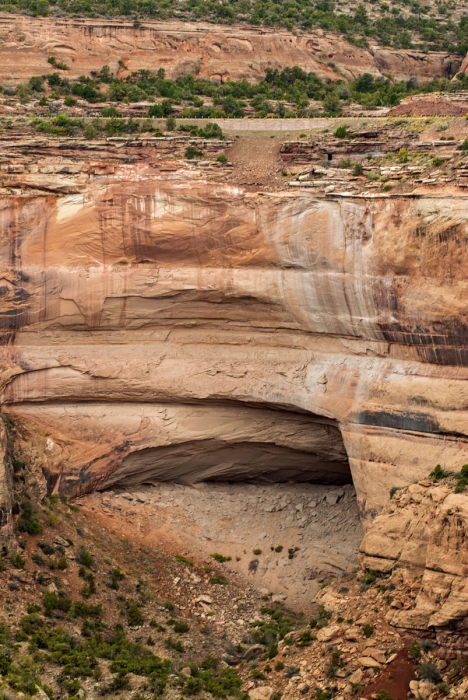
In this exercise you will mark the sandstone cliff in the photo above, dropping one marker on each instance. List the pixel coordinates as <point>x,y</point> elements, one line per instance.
<point>210,51</point>
<point>154,317</point>
<point>423,530</point>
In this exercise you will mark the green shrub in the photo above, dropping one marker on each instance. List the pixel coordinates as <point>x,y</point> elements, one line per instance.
<point>341,132</point>
<point>211,130</point>
<point>181,627</point>
<point>17,560</point>
<point>414,651</point>
<point>192,152</point>
<point>384,695</point>
<point>110,111</point>
<point>358,169</point>
<point>85,558</point>
<point>443,689</point>
<point>54,602</point>
<point>117,575</point>
<point>183,560</point>
<point>429,672</point>
<point>29,520</point>
<point>220,558</point>
<point>368,631</point>
<point>437,474</point>
<point>220,580</point>
<point>134,615</point>
<point>83,610</point>
<point>222,159</point>
<point>170,124</point>
<point>175,645</point>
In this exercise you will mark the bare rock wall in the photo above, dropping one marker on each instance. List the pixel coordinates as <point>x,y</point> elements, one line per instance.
<point>150,322</point>
<point>216,52</point>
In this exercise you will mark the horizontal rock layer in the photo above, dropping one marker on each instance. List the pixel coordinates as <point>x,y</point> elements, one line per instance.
<point>210,51</point>
<point>150,322</point>
<point>425,528</point>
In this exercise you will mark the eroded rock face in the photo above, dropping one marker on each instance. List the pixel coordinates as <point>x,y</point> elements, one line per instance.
<point>206,50</point>
<point>151,319</point>
<point>424,529</point>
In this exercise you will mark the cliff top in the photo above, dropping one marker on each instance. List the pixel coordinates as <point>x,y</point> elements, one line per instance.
<point>428,26</point>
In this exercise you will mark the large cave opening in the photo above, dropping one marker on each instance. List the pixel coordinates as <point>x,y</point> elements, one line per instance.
<point>271,490</point>
<point>256,445</point>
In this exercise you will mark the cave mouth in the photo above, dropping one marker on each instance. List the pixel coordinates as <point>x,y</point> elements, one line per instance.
<point>307,449</point>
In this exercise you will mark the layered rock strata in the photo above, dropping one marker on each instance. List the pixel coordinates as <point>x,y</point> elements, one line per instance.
<point>157,324</point>
<point>424,530</point>
<point>210,51</point>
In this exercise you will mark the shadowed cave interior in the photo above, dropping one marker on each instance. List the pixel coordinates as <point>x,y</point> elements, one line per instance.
<point>319,458</point>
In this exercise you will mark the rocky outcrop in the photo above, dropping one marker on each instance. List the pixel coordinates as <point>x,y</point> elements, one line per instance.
<point>152,317</point>
<point>438,104</point>
<point>424,528</point>
<point>5,487</point>
<point>216,52</point>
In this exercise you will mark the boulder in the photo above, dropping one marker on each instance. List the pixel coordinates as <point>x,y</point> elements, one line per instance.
<point>263,692</point>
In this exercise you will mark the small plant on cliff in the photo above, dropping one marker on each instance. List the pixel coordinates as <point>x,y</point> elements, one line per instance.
<point>368,579</point>
<point>341,132</point>
<point>403,155</point>
<point>464,145</point>
<point>384,695</point>
<point>437,474</point>
<point>358,170</point>
<point>368,631</point>
<point>222,159</point>
<point>462,478</point>
<point>336,663</point>
<point>17,560</point>
<point>192,152</point>
<point>183,560</point>
<point>414,651</point>
<point>170,124</point>
<point>29,520</point>
<point>429,672</point>
<point>393,491</point>
<point>220,558</point>
<point>134,616</point>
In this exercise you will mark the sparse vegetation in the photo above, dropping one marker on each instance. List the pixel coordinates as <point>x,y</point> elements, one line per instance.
<point>220,558</point>
<point>428,671</point>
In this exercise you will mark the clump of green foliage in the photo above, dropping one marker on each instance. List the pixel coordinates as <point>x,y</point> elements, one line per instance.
<point>336,663</point>
<point>415,651</point>
<point>29,520</point>
<point>281,622</point>
<point>210,678</point>
<point>220,557</point>
<point>462,479</point>
<point>268,97</point>
<point>183,560</point>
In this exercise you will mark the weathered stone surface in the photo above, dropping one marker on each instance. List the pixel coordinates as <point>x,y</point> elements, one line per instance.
<point>263,692</point>
<point>425,528</point>
<point>217,52</point>
<point>152,324</point>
